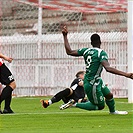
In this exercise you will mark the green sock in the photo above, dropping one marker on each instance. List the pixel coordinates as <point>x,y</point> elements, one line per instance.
<point>111,104</point>
<point>87,106</point>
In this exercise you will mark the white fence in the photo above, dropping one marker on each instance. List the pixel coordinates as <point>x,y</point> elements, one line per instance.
<point>43,68</point>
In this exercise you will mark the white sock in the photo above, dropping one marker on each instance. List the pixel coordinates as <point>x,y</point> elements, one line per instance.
<point>50,102</point>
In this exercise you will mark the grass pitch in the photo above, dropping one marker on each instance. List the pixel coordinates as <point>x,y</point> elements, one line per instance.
<point>30,117</point>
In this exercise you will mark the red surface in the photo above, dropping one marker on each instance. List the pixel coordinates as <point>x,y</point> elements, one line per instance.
<point>81,6</point>
<point>34,1</point>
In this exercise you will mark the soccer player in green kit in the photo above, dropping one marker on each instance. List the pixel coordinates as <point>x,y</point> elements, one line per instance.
<point>95,59</point>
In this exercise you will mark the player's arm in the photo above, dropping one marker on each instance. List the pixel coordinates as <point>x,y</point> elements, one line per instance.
<point>69,51</point>
<point>76,82</point>
<point>6,58</point>
<point>110,69</point>
<point>79,82</point>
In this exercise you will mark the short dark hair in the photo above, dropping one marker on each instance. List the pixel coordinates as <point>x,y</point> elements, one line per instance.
<point>78,73</point>
<point>95,40</point>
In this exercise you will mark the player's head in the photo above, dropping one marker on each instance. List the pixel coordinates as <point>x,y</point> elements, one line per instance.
<point>80,74</point>
<point>95,40</point>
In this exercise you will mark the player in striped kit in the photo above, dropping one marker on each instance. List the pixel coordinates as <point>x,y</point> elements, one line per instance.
<point>7,79</point>
<point>95,59</point>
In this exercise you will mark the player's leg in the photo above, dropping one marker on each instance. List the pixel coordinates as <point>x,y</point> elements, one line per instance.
<point>0,94</point>
<point>66,99</point>
<point>7,79</point>
<point>7,96</point>
<point>108,98</point>
<point>110,101</point>
<point>7,108</point>
<point>82,105</point>
<point>62,94</point>
<point>101,91</point>
<point>74,97</point>
<point>56,98</point>
<point>95,96</point>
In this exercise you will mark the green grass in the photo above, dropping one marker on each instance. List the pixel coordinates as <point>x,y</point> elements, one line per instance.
<point>30,117</point>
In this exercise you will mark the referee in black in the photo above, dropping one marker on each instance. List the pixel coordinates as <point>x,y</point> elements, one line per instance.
<point>7,79</point>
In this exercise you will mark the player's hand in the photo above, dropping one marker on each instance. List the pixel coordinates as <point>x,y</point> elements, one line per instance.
<point>81,83</point>
<point>129,75</point>
<point>64,30</point>
<point>8,59</point>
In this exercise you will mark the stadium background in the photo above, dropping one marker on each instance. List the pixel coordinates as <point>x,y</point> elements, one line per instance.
<point>32,36</point>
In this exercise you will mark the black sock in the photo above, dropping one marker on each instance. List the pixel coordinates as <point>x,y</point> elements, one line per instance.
<point>7,91</point>
<point>8,102</point>
<point>60,95</point>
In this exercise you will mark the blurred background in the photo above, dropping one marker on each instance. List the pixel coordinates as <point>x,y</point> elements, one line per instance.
<point>30,32</point>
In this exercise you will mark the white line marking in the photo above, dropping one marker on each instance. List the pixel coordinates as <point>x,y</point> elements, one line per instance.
<point>48,113</point>
<point>124,102</point>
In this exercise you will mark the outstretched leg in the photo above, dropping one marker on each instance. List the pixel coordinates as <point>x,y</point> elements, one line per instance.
<point>65,93</point>
<point>87,106</point>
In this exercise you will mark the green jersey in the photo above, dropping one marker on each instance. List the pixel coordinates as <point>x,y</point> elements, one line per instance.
<point>93,58</point>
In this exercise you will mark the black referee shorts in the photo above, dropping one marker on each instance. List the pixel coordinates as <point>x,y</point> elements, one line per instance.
<point>6,76</point>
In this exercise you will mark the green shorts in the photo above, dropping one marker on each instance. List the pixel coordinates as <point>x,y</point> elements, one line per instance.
<point>96,91</point>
